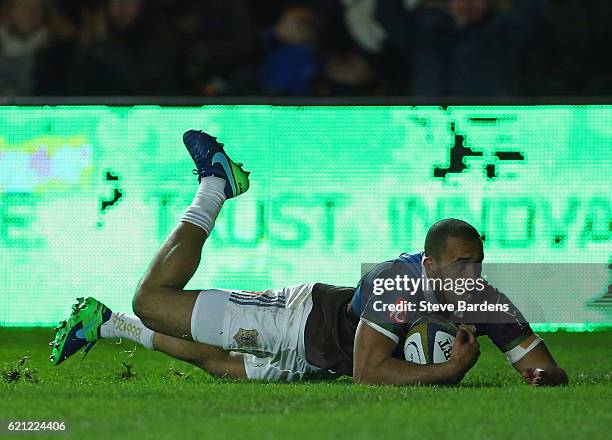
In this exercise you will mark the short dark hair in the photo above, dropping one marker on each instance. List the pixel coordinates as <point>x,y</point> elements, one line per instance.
<point>449,227</point>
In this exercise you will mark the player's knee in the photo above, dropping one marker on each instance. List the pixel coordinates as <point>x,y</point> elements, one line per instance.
<point>141,304</point>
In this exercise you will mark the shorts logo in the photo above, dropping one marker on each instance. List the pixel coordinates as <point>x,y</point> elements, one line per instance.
<point>246,338</point>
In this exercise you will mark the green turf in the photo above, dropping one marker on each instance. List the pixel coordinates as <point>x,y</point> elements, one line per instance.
<point>161,402</point>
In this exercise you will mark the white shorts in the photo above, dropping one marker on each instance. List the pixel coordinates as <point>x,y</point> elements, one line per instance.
<point>268,327</point>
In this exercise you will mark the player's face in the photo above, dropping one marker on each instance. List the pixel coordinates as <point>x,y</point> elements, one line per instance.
<point>459,261</point>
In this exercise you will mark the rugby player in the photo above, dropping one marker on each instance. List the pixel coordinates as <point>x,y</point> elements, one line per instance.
<point>307,330</point>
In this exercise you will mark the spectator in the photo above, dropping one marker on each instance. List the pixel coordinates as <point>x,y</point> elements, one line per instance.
<point>305,47</point>
<point>361,22</point>
<point>217,39</point>
<point>470,49</point>
<point>576,60</point>
<point>120,54</point>
<point>367,65</point>
<point>28,27</point>
<point>291,59</point>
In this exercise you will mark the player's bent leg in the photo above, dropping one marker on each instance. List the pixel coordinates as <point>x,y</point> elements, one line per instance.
<point>160,301</point>
<point>267,327</point>
<point>90,321</point>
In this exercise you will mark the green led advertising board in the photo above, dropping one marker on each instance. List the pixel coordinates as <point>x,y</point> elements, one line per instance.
<point>88,193</point>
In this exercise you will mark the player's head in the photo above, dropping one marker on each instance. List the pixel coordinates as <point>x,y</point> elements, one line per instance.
<point>437,243</point>
<point>453,250</point>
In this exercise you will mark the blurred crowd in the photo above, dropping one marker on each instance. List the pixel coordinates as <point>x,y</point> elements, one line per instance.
<point>421,48</point>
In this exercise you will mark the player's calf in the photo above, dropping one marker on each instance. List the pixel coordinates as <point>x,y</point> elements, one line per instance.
<point>213,360</point>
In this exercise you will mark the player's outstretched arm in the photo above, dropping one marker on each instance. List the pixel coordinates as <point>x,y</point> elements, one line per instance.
<point>538,368</point>
<point>373,362</point>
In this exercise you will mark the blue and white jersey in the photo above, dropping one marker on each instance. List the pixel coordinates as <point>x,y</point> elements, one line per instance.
<point>370,302</point>
<point>329,334</point>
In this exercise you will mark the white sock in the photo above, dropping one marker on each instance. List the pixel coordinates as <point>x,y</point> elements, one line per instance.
<point>206,204</point>
<point>129,327</point>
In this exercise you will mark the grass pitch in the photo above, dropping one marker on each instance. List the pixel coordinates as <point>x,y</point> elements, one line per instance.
<point>163,398</point>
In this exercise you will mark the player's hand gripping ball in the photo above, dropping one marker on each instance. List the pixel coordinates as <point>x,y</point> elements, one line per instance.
<point>430,340</point>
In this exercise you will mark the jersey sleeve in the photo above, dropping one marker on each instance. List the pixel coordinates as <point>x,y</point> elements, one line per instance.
<point>384,309</point>
<point>509,330</point>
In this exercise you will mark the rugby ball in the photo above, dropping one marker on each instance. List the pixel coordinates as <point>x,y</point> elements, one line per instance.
<point>430,340</point>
